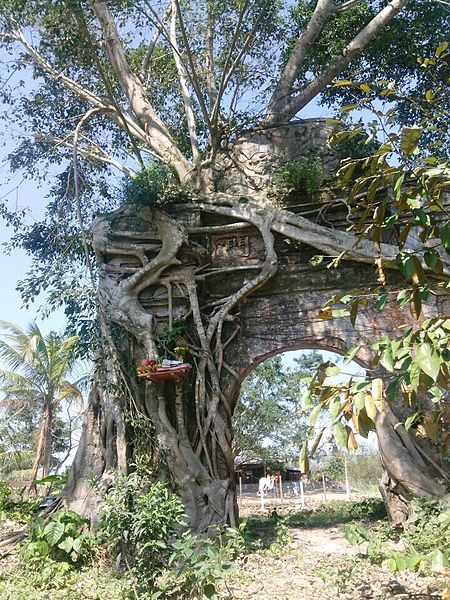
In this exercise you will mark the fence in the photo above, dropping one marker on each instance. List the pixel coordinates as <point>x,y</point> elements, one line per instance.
<point>295,494</point>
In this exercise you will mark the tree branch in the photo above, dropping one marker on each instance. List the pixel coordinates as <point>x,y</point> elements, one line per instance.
<point>151,47</point>
<point>193,75</point>
<point>285,107</point>
<point>69,83</point>
<point>227,75</point>
<point>159,137</point>
<point>183,78</point>
<point>123,121</point>
<point>97,153</point>
<point>283,89</point>
<point>209,57</point>
<point>329,241</point>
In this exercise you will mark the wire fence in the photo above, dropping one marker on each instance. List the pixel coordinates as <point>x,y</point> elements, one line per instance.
<point>297,495</point>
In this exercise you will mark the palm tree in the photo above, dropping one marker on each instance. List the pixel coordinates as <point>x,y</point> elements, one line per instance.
<point>37,380</point>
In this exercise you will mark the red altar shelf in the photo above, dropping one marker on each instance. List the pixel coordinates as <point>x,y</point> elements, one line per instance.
<point>176,373</point>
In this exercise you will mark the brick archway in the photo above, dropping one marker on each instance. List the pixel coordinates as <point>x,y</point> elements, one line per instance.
<point>242,285</point>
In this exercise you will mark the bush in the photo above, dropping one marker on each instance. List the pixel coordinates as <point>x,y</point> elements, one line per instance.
<point>297,178</point>
<point>425,540</point>
<point>57,546</point>
<point>154,186</point>
<point>196,565</point>
<point>369,509</point>
<point>139,520</point>
<point>145,528</point>
<point>15,508</point>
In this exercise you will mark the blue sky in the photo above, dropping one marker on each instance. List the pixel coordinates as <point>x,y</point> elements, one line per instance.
<point>14,265</point>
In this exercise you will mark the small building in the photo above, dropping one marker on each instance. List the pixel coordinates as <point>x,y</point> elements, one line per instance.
<point>252,471</point>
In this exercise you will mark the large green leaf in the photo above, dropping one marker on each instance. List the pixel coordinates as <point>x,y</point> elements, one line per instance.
<point>67,544</point>
<point>428,360</point>
<point>53,532</point>
<point>209,590</point>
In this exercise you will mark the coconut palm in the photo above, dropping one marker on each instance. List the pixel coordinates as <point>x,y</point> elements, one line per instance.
<point>37,380</point>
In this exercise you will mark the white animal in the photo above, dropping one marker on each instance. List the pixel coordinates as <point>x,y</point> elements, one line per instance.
<point>266,484</point>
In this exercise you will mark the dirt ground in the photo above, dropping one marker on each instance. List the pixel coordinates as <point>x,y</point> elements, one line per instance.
<point>320,564</point>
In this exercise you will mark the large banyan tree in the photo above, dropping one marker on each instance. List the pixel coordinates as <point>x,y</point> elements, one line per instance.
<point>208,248</point>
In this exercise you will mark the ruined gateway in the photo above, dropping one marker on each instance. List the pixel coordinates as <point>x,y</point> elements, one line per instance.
<point>235,271</point>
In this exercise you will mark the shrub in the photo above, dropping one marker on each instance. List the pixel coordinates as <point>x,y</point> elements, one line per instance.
<point>57,546</point>
<point>138,521</point>
<point>145,527</point>
<point>368,509</point>
<point>154,186</point>
<point>297,178</point>
<point>14,507</point>
<point>197,565</point>
<point>426,539</point>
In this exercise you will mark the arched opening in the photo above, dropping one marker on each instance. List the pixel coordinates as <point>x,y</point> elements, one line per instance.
<point>273,419</point>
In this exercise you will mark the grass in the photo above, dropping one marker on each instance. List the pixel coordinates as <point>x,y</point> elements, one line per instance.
<point>269,546</point>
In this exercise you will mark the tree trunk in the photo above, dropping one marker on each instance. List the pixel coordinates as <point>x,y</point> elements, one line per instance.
<point>156,427</point>
<point>44,444</point>
<point>406,472</point>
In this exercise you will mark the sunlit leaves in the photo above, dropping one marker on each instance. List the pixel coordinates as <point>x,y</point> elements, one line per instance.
<point>428,359</point>
<point>409,140</point>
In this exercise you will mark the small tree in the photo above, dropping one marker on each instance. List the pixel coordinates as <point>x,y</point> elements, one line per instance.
<point>37,383</point>
<point>268,422</point>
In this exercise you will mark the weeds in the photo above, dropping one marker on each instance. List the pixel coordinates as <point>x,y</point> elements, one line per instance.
<point>424,545</point>
<point>144,526</point>
<point>57,546</point>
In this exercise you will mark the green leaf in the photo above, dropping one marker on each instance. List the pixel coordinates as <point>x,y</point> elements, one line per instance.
<point>359,400</point>
<point>409,139</point>
<point>444,234</point>
<point>313,416</point>
<point>209,590</point>
<point>67,544</point>
<point>340,435</point>
<point>381,300</point>
<point>411,419</point>
<point>387,359</point>
<point>356,534</point>
<point>315,260</point>
<point>432,260</point>
<point>428,360</point>
<point>305,399</point>
<point>53,532</point>
<point>332,370</point>
<point>335,407</point>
